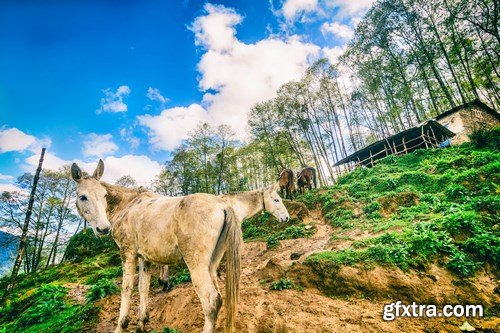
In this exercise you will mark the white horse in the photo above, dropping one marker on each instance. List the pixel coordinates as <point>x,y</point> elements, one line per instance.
<point>148,228</point>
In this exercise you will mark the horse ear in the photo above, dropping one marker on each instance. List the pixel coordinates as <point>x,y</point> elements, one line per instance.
<point>99,170</point>
<point>275,187</point>
<point>76,173</point>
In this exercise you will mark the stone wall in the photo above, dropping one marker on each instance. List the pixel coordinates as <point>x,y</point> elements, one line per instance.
<point>466,121</point>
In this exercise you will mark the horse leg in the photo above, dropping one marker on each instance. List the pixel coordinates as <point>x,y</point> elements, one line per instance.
<point>129,262</point>
<point>211,300</point>
<point>144,281</point>
<point>164,278</point>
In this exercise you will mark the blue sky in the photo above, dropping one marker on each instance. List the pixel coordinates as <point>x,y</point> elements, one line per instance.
<point>128,80</point>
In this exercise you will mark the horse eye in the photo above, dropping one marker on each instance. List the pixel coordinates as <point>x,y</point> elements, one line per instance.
<point>83,198</point>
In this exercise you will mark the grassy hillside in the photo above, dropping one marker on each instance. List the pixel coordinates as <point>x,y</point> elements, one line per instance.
<point>432,207</point>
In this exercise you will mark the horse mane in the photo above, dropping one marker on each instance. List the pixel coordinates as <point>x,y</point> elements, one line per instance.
<point>120,194</point>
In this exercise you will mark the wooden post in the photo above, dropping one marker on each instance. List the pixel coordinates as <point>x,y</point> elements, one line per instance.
<point>371,158</point>
<point>434,135</point>
<point>423,138</point>
<point>404,145</point>
<point>24,234</point>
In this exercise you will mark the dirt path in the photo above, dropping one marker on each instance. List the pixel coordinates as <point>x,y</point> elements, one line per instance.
<point>264,311</point>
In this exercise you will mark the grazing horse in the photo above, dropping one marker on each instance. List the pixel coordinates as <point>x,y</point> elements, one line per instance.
<point>150,228</point>
<point>286,183</point>
<point>306,178</point>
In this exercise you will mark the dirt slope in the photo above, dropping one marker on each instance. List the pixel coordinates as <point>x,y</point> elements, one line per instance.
<point>309,309</point>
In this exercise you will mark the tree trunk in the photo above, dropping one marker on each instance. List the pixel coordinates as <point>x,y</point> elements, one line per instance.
<point>24,234</point>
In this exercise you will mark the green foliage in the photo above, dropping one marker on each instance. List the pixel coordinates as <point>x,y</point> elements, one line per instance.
<point>461,264</point>
<point>86,244</point>
<point>45,310</point>
<point>486,138</point>
<point>371,208</point>
<point>272,242</point>
<point>456,192</point>
<point>180,276</point>
<point>101,289</point>
<point>438,204</point>
<point>310,198</point>
<point>265,227</point>
<point>282,284</point>
<point>485,246</point>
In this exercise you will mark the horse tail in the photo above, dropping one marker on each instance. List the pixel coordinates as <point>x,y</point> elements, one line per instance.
<point>314,177</point>
<point>230,239</point>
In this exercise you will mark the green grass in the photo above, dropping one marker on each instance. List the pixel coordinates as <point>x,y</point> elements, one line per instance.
<point>39,302</point>
<point>45,310</point>
<point>432,205</point>
<point>266,228</point>
<point>101,289</point>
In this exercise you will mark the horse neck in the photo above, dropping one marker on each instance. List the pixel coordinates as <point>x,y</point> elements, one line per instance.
<point>118,199</point>
<point>247,204</point>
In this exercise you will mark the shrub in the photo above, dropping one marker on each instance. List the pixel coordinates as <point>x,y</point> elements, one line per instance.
<point>462,222</point>
<point>101,289</point>
<point>281,284</point>
<point>456,192</point>
<point>85,244</point>
<point>485,246</point>
<point>371,207</point>
<point>272,242</point>
<point>180,276</point>
<point>486,138</point>
<point>310,198</point>
<point>461,264</point>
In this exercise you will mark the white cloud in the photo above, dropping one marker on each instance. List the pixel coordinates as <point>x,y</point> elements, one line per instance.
<point>342,31</point>
<point>215,31</point>
<point>139,167</point>
<point>12,139</point>
<point>240,74</point>
<point>5,177</point>
<point>113,101</point>
<point>294,8</point>
<point>350,7</point>
<point>234,75</point>
<point>154,94</point>
<point>128,136</point>
<point>98,145</point>
<point>10,188</point>
<point>168,129</point>
<point>333,53</point>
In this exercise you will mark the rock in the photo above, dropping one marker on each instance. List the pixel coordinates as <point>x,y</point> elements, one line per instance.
<point>466,327</point>
<point>296,255</point>
<point>307,227</point>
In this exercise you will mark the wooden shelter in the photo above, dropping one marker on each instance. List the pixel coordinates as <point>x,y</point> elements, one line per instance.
<point>429,134</point>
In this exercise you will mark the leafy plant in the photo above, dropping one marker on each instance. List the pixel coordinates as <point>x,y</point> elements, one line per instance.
<point>281,284</point>
<point>101,289</point>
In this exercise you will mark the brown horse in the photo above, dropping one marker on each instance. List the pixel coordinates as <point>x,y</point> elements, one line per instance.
<point>286,183</point>
<point>306,178</point>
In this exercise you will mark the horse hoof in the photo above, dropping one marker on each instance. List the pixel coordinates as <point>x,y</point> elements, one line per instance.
<point>167,287</point>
